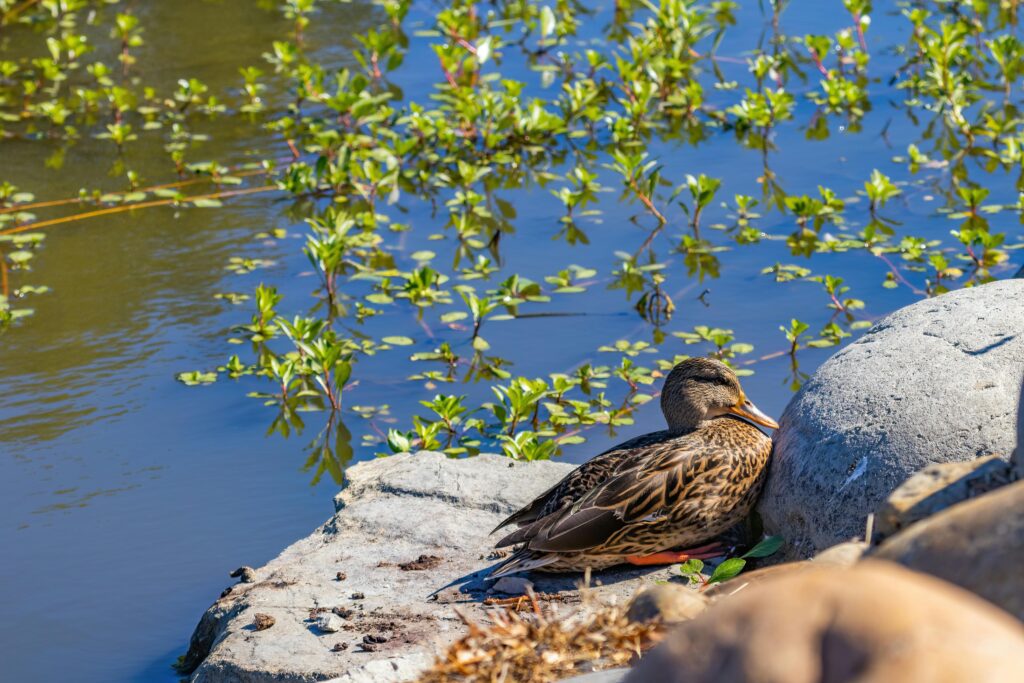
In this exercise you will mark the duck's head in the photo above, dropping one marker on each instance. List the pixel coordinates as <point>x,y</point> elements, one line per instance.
<point>700,389</point>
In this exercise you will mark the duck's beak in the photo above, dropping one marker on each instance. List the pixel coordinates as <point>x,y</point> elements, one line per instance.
<point>748,411</point>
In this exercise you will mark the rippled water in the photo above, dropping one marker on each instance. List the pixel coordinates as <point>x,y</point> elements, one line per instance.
<point>127,497</point>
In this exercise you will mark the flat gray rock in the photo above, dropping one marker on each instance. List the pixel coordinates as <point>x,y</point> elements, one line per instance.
<point>410,537</point>
<point>937,381</point>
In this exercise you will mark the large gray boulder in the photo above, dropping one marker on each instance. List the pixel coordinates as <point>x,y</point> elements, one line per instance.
<point>937,381</point>
<point>371,596</point>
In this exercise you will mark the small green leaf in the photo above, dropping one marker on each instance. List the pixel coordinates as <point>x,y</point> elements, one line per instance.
<point>20,256</point>
<point>196,377</point>
<point>727,570</point>
<point>398,341</point>
<point>692,566</point>
<point>765,548</point>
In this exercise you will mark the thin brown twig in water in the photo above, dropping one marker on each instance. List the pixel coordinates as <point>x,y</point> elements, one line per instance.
<point>15,11</point>
<point>650,238</point>
<point>4,284</point>
<point>78,200</point>
<point>447,74</point>
<point>817,63</point>
<point>426,328</point>
<point>130,207</point>
<point>860,32</point>
<point>899,276</point>
<point>646,201</point>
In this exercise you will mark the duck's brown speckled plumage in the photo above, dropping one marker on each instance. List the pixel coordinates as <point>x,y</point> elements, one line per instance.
<point>678,487</point>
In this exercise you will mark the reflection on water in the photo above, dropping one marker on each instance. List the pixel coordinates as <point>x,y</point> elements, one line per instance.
<point>126,497</point>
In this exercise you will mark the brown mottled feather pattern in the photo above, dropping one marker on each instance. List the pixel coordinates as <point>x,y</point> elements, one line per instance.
<point>659,491</point>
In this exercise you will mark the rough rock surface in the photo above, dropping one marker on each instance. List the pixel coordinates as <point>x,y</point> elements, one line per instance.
<point>936,488</point>
<point>875,622</point>
<point>410,537</point>
<point>936,381</point>
<point>978,545</point>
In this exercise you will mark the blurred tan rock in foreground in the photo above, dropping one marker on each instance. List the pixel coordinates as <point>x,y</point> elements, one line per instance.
<point>876,622</point>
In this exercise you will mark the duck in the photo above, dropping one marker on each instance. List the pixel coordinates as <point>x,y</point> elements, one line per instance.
<point>635,503</point>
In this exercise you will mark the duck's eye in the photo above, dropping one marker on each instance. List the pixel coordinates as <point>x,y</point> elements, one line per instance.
<point>717,379</point>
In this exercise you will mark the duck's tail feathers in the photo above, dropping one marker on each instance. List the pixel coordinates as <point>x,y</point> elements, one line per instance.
<point>521,561</point>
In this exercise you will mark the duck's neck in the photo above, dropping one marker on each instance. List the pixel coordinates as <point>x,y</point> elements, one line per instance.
<point>682,416</point>
<point>684,426</point>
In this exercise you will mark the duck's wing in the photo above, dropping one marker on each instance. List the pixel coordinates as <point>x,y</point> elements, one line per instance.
<point>578,483</point>
<point>658,478</point>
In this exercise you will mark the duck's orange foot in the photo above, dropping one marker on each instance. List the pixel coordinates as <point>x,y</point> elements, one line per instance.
<point>704,552</point>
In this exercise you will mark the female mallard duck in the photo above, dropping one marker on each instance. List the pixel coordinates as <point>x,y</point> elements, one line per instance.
<point>675,488</point>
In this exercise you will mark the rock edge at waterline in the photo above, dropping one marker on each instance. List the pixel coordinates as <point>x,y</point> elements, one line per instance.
<point>353,599</point>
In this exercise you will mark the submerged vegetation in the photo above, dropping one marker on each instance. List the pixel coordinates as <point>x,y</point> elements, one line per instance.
<point>452,122</point>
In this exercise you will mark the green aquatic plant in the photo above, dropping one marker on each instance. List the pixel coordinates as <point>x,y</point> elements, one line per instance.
<point>529,124</point>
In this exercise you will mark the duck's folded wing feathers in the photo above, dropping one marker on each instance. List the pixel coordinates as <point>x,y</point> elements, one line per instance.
<point>638,495</point>
<point>569,489</point>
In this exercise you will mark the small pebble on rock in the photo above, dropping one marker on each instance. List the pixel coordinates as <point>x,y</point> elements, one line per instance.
<point>340,576</point>
<point>358,596</point>
<point>339,647</point>
<point>343,612</point>
<point>329,623</point>
<point>668,602</point>
<point>375,639</point>
<point>512,585</point>
<point>244,574</point>
<point>261,622</point>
